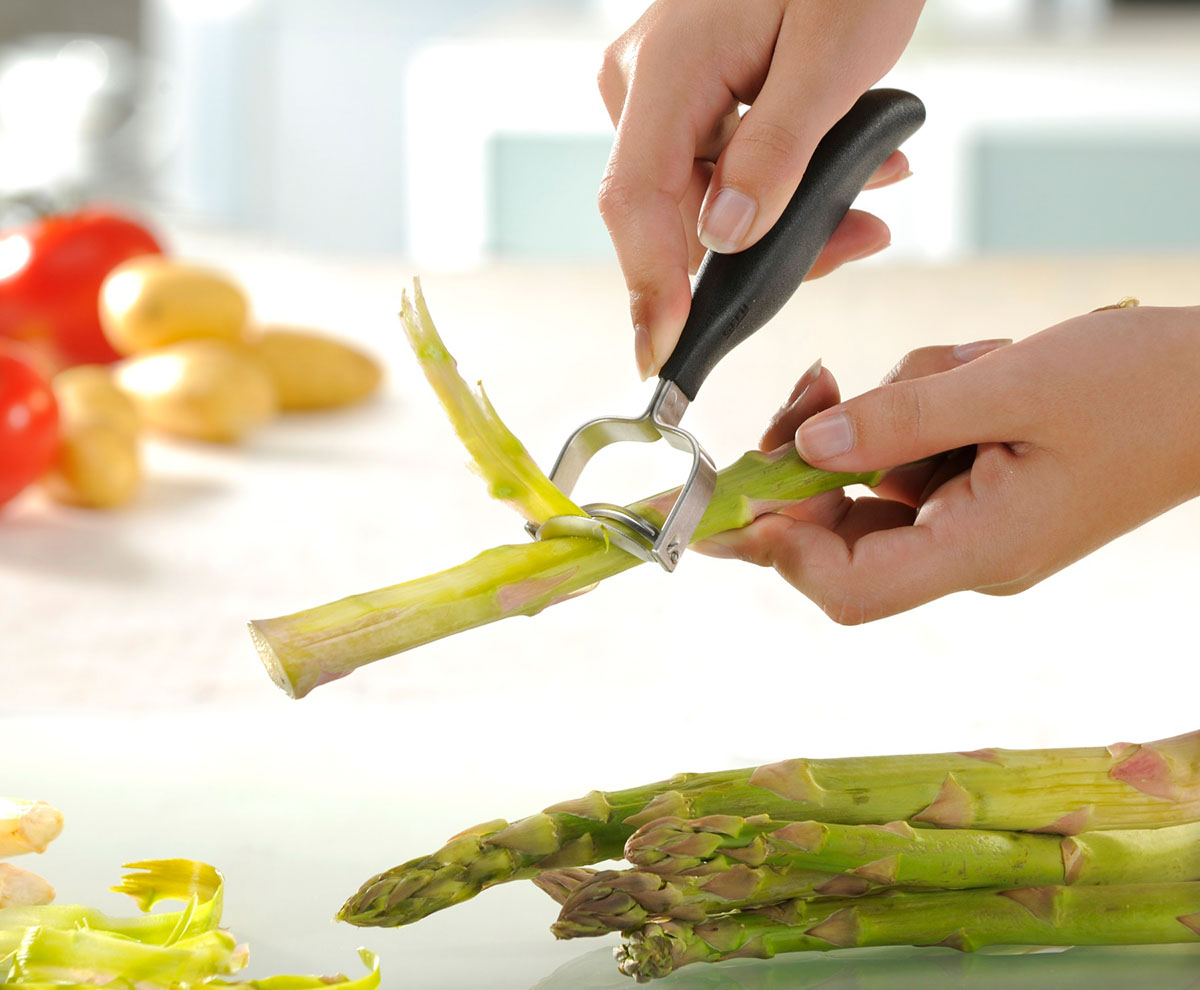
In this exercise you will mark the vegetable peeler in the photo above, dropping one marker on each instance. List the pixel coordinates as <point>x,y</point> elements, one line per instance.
<point>733,296</point>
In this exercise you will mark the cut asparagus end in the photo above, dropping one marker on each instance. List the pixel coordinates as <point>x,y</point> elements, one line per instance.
<point>21,888</point>
<point>27,826</point>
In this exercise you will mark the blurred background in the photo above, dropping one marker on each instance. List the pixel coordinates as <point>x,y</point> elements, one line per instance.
<point>321,154</point>
<point>429,129</point>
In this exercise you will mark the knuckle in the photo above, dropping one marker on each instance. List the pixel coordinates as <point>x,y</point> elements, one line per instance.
<point>616,197</point>
<point>610,76</point>
<point>768,144</point>
<point>904,408</point>
<point>847,610</point>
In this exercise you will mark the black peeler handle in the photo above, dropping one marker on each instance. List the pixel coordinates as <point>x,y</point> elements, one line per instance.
<point>735,294</point>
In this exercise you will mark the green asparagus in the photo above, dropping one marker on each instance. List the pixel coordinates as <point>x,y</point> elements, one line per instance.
<point>621,900</point>
<point>1061,791</point>
<point>309,648</point>
<point>936,858</point>
<point>1118,914</point>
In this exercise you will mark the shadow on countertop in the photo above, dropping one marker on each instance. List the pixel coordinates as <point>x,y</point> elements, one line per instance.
<point>1154,967</point>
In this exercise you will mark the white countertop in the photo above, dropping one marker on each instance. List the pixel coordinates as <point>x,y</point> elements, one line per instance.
<point>133,697</point>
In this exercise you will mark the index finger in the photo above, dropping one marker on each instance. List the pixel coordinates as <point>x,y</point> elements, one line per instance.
<point>649,173</point>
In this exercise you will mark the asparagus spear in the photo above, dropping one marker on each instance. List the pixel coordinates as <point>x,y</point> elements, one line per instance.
<point>1061,791</point>
<point>1120,914</point>
<point>936,858</point>
<point>309,648</point>
<point>27,826</point>
<point>621,900</point>
<point>306,649</point>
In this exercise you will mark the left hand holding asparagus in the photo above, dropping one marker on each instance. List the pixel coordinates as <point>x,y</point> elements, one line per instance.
<point>1043,435</point>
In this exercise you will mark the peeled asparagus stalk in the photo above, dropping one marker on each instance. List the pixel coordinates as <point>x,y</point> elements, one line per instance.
<point>897,853</point>
<point>20,888</point>
<point>1121,914</point>
<point>303,650</point>
<point>1058,791</point>
<point>27,826</point>
<point>309,648</point>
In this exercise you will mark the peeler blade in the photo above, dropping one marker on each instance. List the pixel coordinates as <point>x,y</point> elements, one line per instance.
<point>625,529</point>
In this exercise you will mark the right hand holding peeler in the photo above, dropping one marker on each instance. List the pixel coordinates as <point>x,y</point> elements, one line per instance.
<point>733,296</point>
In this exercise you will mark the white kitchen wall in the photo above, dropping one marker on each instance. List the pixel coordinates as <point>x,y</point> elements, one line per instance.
<point>371,126</point>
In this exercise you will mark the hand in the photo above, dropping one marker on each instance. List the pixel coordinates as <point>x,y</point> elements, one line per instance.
<point>1059,444</point>
<point>672,85</point>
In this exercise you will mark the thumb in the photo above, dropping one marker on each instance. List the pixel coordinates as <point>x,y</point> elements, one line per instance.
<point>902,421</point>
<point>759,169</point>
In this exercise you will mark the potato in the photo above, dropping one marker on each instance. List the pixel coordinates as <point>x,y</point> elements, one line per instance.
<point>88,392</point>
<point>98,465</point>
<point>203,389</point>
<point>150,301</point>
<point>312,371</point>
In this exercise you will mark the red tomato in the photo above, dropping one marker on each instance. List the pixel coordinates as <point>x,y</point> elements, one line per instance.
<point>50,277</point>
<point>28,423</point>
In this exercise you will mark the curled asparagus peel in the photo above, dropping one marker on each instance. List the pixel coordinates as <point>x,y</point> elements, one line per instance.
<point>496,454</point>
<point>1119,914</point>
<point>306,649</point>
<point>897,853</point>
<point>43,946</point>
<point>1057,791</point>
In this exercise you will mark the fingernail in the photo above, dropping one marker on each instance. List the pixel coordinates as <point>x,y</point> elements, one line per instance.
<point>806,379</point>
<point>726,221</point>
<point>642,350</point>
<point>977,348</point>
<point>868,252</point>
<point>713,547</point>
<point>823,437</point>
<point>803,383</point>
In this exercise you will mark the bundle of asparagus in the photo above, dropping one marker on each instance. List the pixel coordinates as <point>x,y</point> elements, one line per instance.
<point>1042,847</point>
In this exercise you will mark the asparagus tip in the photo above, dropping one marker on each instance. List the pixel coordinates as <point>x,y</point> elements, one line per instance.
<point>560,883</point>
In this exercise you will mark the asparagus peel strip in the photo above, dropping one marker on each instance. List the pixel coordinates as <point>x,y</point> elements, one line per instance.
<point>496,454</point>
<point>897,853</point>
<point>80,947</point>
<point>1057,791</point>
<point>306,649</point>
<point>1119,914</point>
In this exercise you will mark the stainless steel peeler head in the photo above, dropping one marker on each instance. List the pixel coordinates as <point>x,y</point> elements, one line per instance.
<point>733,296</point>
<point>628,530</point>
